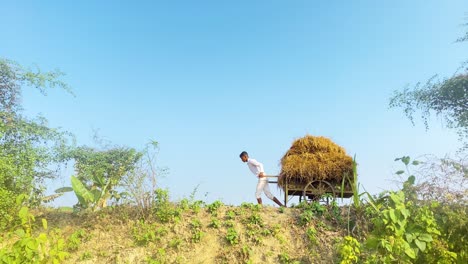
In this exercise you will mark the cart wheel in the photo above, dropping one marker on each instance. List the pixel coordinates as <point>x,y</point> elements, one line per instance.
<point>314,190</point>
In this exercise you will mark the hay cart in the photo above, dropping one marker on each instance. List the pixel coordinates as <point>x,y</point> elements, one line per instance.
<point>314,190</point>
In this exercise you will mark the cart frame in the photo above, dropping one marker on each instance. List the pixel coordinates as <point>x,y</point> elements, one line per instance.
<point>310,191</point>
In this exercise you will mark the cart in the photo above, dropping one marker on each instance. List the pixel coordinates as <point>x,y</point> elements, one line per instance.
<point>315,190</point>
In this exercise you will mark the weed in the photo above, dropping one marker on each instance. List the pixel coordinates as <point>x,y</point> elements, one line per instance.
<point>229,223</point>
<point>175,243</point>
<point>349,250</point>
<point>232,237</point>
<point>255,219</point>
<point>213,207</point>
<point>75,239</point>
<point>86,255</point>
<point>195,224</point>
<point>197,236</point>
<point>230,215</point>
<point>305,217</point>
<point>215,223</point>
<point>144,233</point>
<point>312,235</point>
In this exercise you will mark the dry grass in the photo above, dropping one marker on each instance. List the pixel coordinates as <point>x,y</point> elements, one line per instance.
<point>315,158</point>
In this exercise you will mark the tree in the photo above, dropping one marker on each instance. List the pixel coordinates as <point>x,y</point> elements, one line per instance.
<point>99,172</point>
<point>27,146</point>
<point>448,98</point>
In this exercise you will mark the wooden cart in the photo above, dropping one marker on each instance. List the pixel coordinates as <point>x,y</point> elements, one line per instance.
<point>314,190</point>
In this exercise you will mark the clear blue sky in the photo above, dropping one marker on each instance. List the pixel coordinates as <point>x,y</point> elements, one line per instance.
<point>209,79</point>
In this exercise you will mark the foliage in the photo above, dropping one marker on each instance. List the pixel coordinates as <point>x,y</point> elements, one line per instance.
<point>144,233</point>
<point>164,210</point>
<point>349,250</point>
<point>8,209</point>
<point>141,181</point>
<point>448,98</point>
<point>100,172</point>
<point>30,248</point>
<point>75,240</point>
<point>213,207</point>
<point>232,236</point>
<point>28,147</point>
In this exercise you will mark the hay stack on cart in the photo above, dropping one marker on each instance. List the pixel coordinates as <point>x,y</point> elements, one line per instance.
<point>316,165</point>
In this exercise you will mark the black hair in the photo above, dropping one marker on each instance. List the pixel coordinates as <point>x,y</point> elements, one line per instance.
<point>243,153</point>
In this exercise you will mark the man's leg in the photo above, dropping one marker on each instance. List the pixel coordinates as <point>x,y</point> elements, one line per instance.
<point>266,189</point>
<point>258,193</point>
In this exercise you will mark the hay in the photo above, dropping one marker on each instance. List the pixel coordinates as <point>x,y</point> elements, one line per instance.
<point>315,158</point>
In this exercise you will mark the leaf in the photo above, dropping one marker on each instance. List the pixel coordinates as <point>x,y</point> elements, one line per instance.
<point>392,215</point>
<point>416,163</point>
<point>425,237</point>
<point>399,172</point>
<point>44,223</point>
<point>420,244</point>
<point>410,252</point>
<point>20,233</point>
<point>405,160</point>
<point>84,195</point>
<point>64,189</point>
<point>411,179</point>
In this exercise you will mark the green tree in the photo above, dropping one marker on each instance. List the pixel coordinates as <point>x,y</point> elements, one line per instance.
<point>28,147</point>
<point>99,172</point>
<point>448,98</point>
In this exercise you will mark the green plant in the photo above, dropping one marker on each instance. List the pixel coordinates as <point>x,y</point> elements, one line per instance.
<point>164,210</point>
<point>402,231</point>
<point>196,206</point>
<point>86,255</point>
<point>349,250</point>
<point>197,234</point>
<point>175,243</point>
<point>144,233</point>
<point>213,207</point>
<point>255,219</point>
<point>230,215</point>
<point>75,239</point>
<point>312,235</point>
<point>215,223</point>
<point>284,258</point>
<point>8,209</point>
<point>232,236</point>
<point>305,217</point>
<point>30,248</point>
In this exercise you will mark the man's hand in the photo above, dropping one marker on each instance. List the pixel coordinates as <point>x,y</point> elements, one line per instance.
<point>261,175</point>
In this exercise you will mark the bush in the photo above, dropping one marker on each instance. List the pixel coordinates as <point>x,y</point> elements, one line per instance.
<point>8,209</point>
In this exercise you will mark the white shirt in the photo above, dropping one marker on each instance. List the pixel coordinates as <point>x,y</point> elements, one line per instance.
<point>255,166</point>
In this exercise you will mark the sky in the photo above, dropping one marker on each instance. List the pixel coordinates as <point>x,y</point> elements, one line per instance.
<point>209,79</point>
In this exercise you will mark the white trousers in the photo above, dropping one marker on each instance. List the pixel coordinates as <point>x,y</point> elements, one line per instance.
<point>262,186</point>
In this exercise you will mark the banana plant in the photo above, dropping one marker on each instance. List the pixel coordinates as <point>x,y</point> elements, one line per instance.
<point>92,197</point>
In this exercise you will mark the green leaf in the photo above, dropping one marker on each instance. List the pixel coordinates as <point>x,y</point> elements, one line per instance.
<point>392,215</point>
<point>410,252</point>
<point>399,172</point>
<point>84,195</point>
<point>425,237</point>
<point>64,189</point>
<point>416,163</point>
<point>420,244</point>
<point>20,233</point>
<point>44,223</point>
<point>411,179</point>
<point>405,160</point>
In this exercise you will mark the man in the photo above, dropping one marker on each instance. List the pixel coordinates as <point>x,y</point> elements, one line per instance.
<point>262,185</point>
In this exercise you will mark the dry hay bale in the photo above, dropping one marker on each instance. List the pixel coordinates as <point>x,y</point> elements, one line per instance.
<point>315,158</point>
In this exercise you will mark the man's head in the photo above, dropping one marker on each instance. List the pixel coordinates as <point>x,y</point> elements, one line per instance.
<point>244,156</point>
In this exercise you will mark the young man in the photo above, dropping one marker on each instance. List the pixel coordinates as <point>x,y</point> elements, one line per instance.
<point>262,185</point>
